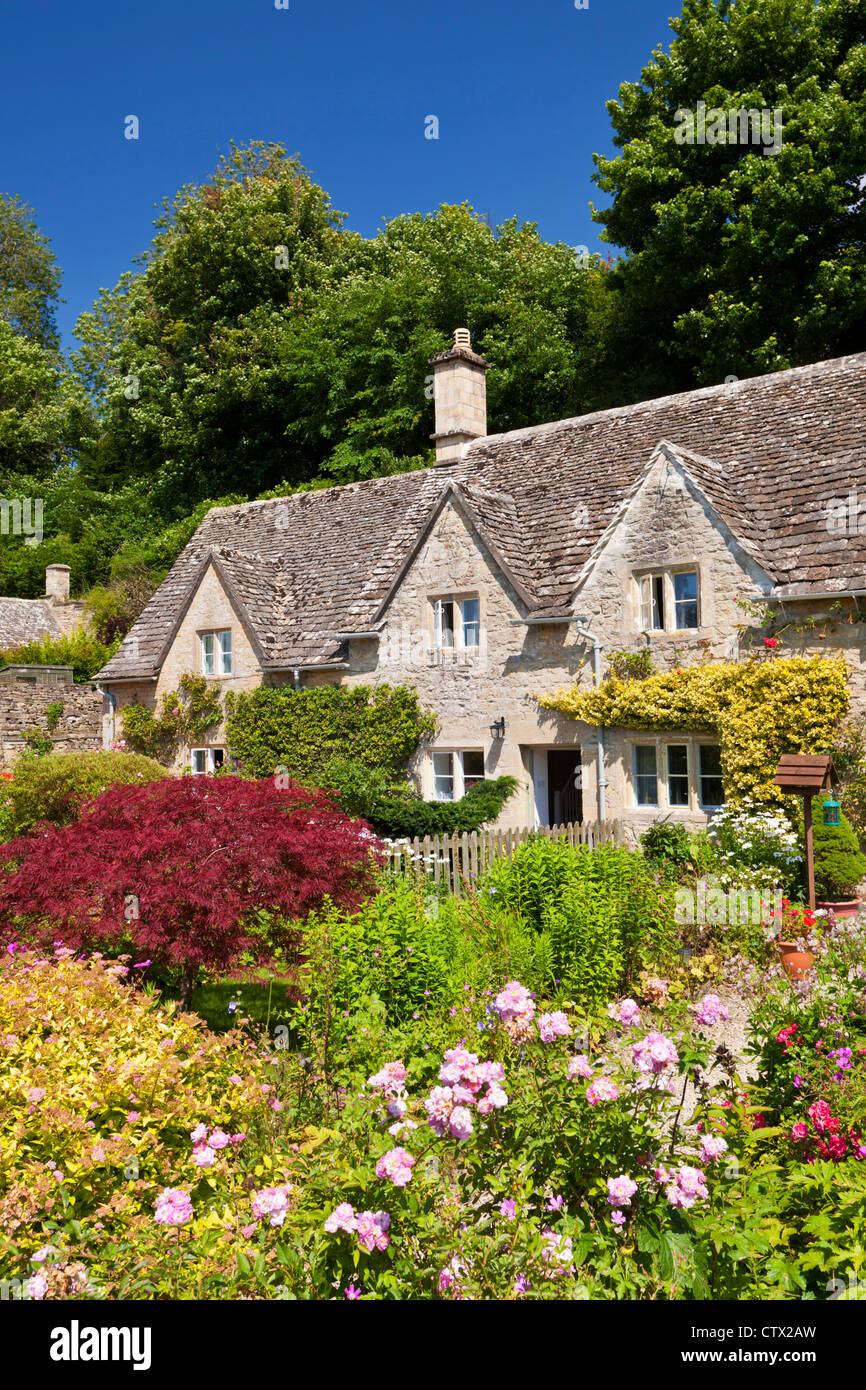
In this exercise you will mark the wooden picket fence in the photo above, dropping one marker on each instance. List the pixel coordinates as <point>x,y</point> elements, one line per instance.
<point>455,860</point>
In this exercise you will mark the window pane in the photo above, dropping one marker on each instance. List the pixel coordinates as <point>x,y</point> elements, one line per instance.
<point>646,603</point>
<point>645,775</point>
<point>471,623</point>
<point>443,776</point>
<point>686,598</point>
<point>218,757</point>
<point>445,623</point>
<point>225,646</point>
<point>712,789</point>
<point>658,601</point>
<point>678,774</point>
<point>473,769</point>
<point>199,760</point>
<point>207,653</point>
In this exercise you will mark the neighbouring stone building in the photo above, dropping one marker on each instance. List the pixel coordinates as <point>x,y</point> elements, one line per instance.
<point>519,563</point>
<point>28,692</point>
<point>25,620</point>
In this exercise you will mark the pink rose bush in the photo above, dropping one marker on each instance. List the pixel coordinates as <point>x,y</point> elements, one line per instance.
<point>370,1227</point>
<point>516,1009</point>
<point>396,1166</point>
<point>173,1207</point>
<point>273,1203</point>
<point>552,1026</point>
<point>710,1011</point>
<point>449,1106</point>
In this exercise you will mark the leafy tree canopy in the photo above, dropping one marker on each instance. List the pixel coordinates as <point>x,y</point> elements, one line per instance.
<point>741,260</point>
<point>29,275</point>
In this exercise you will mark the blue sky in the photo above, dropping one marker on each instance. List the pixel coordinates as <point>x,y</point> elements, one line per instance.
<point>519,90</point>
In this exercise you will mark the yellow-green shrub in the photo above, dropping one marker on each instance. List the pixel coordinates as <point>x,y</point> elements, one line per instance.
<point>124,1080</point>
<point>758,709</point>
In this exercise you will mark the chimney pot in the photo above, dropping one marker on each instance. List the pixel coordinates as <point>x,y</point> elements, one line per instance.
<point>57,583</point>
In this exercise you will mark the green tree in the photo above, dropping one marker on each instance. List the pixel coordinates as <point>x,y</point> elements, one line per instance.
<point>44,414</point>
<point>29,275</point>
<point>263,347</point>
<point>741,260</point>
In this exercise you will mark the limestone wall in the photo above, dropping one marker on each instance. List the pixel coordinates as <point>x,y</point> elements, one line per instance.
<point>22,707</point>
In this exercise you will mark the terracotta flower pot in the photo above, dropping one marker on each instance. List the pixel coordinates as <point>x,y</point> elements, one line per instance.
<point>849,908</point>
<point>795,963</point>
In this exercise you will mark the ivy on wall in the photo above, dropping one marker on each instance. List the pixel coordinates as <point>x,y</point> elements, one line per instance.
<point>303,731</point>
<point>184,715</point>
<point>757,709</point>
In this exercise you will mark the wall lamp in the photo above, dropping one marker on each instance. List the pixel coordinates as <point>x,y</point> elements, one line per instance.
<point>497,728</point>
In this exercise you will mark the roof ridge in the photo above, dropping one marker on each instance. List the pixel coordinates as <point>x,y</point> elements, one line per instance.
<point>446,470</point>
<point>698,392</point>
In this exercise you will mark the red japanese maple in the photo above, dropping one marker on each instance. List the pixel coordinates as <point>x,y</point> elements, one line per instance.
<point>177,867</point>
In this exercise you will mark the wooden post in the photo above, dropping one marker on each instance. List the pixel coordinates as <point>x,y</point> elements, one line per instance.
<point>810,859</point>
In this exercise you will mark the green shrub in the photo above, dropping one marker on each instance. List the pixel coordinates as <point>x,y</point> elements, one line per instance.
<point>839,864</point>
<point>303,732</point>
<point>405,817</point>
<point>414,952</point>
<point>55,787</point>
<point>80,650</point>
<point>667,846</point>
<point>605,915</point>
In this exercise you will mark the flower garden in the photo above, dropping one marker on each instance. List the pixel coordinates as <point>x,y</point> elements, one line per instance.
<point>556,1087</point>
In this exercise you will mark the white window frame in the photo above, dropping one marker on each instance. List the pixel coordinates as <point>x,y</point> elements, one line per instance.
<point>209,759</point>
<point>462,623</point>
<point>457,773</point>
<point>658,585</point>
<point>663,802</point>
<point>216,646</point>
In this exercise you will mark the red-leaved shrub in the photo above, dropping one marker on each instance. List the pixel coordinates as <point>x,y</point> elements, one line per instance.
<point>177,867</point>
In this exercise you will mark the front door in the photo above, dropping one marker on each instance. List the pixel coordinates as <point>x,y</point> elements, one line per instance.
<point>565,797</point>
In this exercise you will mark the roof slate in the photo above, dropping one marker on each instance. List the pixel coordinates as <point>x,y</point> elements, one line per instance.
<point>24,620</point>
<point>769,453</point>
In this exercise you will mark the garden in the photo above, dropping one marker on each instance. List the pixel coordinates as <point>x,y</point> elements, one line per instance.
<point>244,1060</point>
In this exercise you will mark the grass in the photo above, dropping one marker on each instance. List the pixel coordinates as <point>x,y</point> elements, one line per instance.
<point>211,1001</point>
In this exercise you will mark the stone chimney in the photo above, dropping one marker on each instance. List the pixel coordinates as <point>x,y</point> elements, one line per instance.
<point>57,583</point>
<point>460,393</point>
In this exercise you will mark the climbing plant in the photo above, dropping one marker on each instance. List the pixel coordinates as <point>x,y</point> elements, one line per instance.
<point>758,709</point>
<point>304,731</point>
<point>184,715</point>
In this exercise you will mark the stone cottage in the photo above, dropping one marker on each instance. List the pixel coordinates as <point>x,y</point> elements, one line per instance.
<point>521,562</point>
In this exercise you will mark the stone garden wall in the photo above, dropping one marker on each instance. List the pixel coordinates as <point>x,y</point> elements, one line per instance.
<point>23,707</point>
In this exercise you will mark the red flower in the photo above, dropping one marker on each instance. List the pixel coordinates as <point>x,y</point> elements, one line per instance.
<point>771,641</point>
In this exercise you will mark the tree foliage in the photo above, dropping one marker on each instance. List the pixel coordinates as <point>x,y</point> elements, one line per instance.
<point>177,867</point>
<point>29,275</point>
<point>739,260</point>
<point>270,347</point>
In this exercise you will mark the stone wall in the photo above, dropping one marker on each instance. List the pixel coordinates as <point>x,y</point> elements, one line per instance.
<point>23,706</point>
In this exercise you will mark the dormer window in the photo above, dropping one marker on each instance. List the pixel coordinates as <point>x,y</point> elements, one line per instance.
<point>669,601</point>
<point>216,653</point>
<point>456,624</point>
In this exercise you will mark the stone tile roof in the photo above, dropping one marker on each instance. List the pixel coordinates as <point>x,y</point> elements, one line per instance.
<point>770,453</point>
<point>24,620</point>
